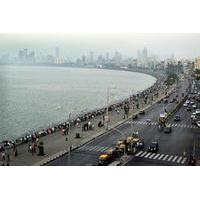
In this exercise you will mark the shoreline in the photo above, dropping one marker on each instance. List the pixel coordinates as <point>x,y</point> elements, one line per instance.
<point>20,140</point>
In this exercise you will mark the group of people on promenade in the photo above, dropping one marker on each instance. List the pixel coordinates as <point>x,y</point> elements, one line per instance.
<point>83,120</point>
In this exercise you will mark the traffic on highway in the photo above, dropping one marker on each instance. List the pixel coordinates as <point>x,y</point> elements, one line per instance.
<point>164,134</point>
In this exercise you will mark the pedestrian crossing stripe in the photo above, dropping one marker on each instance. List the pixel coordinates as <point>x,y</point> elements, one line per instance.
<point>166,156</point>
<point>139,153</point>
<point>93,148</point>
<point>143,154</point>
<point>163,157</point>
<point>156,123</point>
<point>184,159</point>
<point>156,156</point>
<point>152,155</point>
<point>179,159</point>
<point>174,158</point>
<point>170,158</point>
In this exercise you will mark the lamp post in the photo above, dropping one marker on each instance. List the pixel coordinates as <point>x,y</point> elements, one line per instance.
<point>107,117</point>
<point>69,142</point>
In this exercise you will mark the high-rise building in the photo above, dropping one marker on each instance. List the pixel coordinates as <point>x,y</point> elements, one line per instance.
<point>197,63</point>
<point>107,56</point>
<point>138,55</point>
<point>91,57</point>
<point>57,52</point>
<point>83,60</point>
<point>145,55</point>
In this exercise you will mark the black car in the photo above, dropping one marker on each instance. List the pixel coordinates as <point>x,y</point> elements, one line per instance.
<point>142,112</point>
<point>153,147</point>
<point>177,118</point>
<point>168,129</point>
<point>135,116</point>
<point>189,108</point>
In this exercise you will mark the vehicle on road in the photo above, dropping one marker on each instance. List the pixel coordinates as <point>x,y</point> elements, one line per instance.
<point>121,146</point>
<point>177,118</point>
<point>185,104</point>
<point>194,106</point>
<point>165,100</point>
<point>198,124</point>
<point>135,116</point>
<point>167,129</point>
<point>104,159</point>
<point>134,143</point>
<point>142,112</point>
<point>153,147</point>
<point>148,120</point>
<point>162,118</point>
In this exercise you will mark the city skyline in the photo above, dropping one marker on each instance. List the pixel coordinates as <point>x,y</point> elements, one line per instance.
<point>77,45</point>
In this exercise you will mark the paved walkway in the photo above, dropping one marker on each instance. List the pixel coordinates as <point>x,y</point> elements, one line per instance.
<point>55,144</point>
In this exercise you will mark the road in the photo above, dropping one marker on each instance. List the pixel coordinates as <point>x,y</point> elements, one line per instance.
<point>171,146</point>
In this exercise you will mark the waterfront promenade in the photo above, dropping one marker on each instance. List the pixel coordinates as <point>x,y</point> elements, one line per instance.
<point>56,144</point>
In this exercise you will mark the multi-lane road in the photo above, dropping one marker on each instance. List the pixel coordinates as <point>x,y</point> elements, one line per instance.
<point>174,148</point>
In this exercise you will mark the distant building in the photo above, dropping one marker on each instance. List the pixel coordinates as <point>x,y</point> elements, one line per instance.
<point>83,60</point>
<point>197,63</point>
<point>57,52</point>
<point>107,56</point>
<point>91,57</point>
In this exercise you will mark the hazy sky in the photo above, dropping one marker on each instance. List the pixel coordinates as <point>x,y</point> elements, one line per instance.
<point>75,45</point>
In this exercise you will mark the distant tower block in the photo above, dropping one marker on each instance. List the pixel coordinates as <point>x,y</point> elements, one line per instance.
<point>57,52</point>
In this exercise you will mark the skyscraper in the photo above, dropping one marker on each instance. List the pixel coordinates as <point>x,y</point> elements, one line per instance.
<point>91,57</point>
<point>145,55</point>
<point>107,56</point>
<point>57,52</point>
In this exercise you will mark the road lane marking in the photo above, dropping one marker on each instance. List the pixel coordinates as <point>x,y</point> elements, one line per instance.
<point>139,153</point>
<point>152,155</point>
<point>179,159</point>
<point>99,149</point>
<point>147,155</point>
<point>170,158</point>
<point>92,149</point>
<point>161,156</point>
<point>96,147</point>
<point>143,154</point>
<point>156,156</point>
<point>174,158</point>
<point>165,157</point>
<point>183,161</point>
<point>104,149</point>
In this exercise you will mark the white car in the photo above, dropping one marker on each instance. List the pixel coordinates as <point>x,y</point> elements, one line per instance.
<point>185,104</point>
<point>198,123</point>
<point>193,115</point>
<point>194,106</point>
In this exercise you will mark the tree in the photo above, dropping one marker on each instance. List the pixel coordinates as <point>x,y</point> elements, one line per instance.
<point>171,78</point>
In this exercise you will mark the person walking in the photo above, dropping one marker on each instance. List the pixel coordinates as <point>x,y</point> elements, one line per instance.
<point>3,156</point>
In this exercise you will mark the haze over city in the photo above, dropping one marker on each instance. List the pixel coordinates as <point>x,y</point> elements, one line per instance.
<point>76,45</point>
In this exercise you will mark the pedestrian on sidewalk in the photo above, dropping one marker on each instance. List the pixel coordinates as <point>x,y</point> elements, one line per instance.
<point>3,156</point>
<point>15,152</point>
<point>29,147</point>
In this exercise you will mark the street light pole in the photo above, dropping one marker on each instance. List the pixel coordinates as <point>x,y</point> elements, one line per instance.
<point>107,109</point>
<point>69,143</point>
